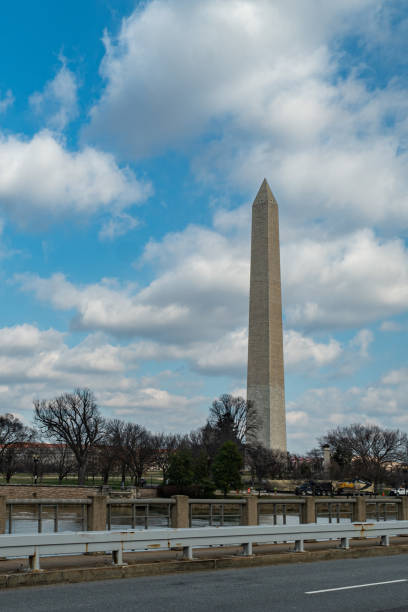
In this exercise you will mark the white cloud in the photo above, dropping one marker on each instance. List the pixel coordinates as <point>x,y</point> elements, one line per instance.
<point>383,403</point>
<point>396,377</point>
<point>156,93</point>
<point>117,226</point>
<point>41,179</point>
<point>196,306</point>
<point>27,339</point>
<point>58,102</point>
<point>302,350</point>
<point>202,281</point>
<point>296,417</point>
<point>391,326</point>
<point>6,101</point>
<point>346,282</point>
<point>362,341</point>
<point>36,363</point>
<point>198,293</point>
<point>331,145</point>
<point>198,330</point>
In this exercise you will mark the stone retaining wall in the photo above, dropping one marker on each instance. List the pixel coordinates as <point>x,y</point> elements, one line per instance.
<point>44,491</point>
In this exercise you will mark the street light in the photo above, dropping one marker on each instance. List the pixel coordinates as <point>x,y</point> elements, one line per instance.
<point>36,459</point>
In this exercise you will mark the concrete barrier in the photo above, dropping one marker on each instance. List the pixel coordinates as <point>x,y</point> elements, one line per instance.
<point>97,508</point>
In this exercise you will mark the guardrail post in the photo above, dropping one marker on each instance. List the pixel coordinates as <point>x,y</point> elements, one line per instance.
<point>96,519</point>
<point>34,561</point>
<point>117,557</point>
<point>180,512</point>
<point>309,510</point>
<point>249,515</point>
<point>403,509</point>
<point>3,514</point>
<point>188,552</point>
<point>299,546</point>
<point>345,543</point>
<point>360,510</point>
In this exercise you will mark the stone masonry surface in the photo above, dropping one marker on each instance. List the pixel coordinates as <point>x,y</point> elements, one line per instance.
<point>266,387</point>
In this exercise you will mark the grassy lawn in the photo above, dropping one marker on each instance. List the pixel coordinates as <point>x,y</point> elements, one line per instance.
<point>153,478</point>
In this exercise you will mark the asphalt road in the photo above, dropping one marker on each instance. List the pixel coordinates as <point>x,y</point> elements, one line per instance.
<point>307,587</point>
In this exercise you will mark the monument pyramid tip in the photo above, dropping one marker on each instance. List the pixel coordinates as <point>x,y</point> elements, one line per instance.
<point>265,193</point>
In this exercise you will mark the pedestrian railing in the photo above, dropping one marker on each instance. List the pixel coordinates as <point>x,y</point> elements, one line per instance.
<point>36,546</point>
<point>280,512</point>
<point>139,513</point>
<point>100,512</point>
<point>215,512</point>
<point>382,509</point>
<point>46,515</point>
<point>334,511</point>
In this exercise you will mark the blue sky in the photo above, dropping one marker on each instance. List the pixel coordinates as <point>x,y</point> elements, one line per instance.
<point>133,139</point>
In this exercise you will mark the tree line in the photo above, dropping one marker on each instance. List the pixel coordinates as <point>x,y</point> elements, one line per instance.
<point>81,441</point>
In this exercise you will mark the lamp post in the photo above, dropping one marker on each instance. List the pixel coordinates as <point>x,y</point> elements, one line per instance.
<point>36,459</point>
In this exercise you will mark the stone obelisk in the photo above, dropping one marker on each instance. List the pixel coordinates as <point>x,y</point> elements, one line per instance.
<point>265,385</point>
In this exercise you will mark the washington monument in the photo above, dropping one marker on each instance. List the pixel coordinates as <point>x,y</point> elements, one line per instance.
<point>265,385</point>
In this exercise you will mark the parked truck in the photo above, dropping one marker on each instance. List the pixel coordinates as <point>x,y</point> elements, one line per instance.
<point>312,487</point>
<point>348,487</point>
<point>355,487</point>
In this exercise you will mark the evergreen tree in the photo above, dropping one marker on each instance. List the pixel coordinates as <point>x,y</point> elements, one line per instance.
<point>202,477</point>
<point>226,467</point>
<point>181,469</point>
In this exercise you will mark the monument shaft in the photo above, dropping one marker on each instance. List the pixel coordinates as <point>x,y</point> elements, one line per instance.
<point>265,384</point>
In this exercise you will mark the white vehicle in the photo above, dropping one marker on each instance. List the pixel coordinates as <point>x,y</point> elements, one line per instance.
<point>400,491</point>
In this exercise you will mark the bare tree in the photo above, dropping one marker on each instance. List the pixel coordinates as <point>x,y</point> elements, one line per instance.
<point>13,436</point>
<point>315,459</point>
<point>139,450</point>
<point>115,438</point>
<point>62,460</point>
<point>367,450</point>
<point>110,452</point>
<point>233,419</point>
<point>265,462</point>
<point>72,419</point>
<point>164,447</point>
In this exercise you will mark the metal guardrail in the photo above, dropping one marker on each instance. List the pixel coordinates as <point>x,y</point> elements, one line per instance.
<point>35,546</point>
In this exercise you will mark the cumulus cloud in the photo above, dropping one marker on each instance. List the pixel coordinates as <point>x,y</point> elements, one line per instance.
<point>196,305</point>
<point>171,94</point>
<point>117,226</point>
<point>391,326</point>
<point>58,102</point>
<point>41,179</point>
<point>304,350</point>
<point>362,341</point>
<point>396,377</point>
<point>289,106</point>
<point>27,339</point>
<point>6,101</point>
<point>206,337</point>
<point>201,284</point>
<point>39,363</point>
<point>383,403</point>
<point>200,291</point>
<point>345,282</point>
